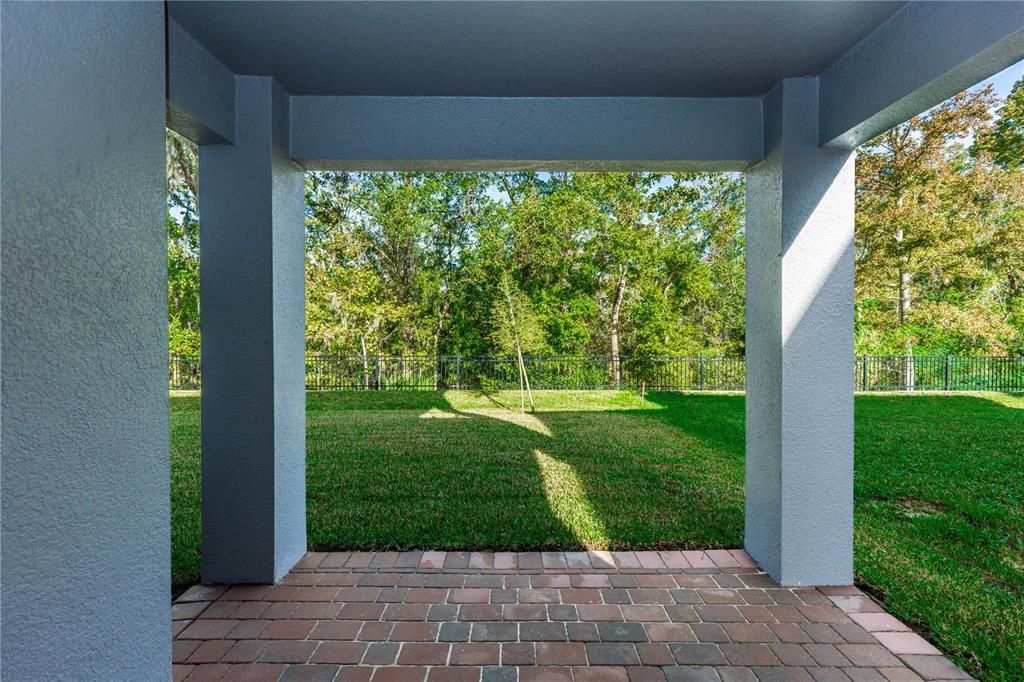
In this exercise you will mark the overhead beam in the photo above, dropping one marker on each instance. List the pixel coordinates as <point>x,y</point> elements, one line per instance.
<point>925,53</point>
<point>200,91</point>
<point>468,133</point>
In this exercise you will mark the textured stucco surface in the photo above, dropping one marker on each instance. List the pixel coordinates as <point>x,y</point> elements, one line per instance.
<point>799,455</point>
<point>85,471</point>
<point>764,349</point>
<point>253,297</point>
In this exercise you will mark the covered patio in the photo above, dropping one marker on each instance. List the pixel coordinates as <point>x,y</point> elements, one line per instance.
<point>782,91</point>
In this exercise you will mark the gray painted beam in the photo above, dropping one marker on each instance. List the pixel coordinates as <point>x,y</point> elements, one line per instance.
<point>200,91</point>
<point>252,276</point>
<point>83,326</point>
<point>799,441</point>
<point>924,54</point>
<point>373,133</point>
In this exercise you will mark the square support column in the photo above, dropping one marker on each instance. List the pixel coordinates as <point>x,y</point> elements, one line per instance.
<point>799,340</point>
<point>83,383</point>
<point>252,288</point>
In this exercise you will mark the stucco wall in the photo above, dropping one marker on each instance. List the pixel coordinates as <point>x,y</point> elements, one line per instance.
<point>764,348</point>
<point>85,473</point>
<point>252,274</point>
<point>799,459</point>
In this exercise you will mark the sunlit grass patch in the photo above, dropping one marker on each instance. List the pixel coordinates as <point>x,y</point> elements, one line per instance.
<point>568,499</point>
<point>525,420</point>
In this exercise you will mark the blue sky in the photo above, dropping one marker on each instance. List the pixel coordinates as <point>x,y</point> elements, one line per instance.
<point>1004,80</point>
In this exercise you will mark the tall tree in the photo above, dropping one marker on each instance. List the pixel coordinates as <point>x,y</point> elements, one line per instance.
<point>922,206</point>
<point>622,243</point>
<point>1005,141</point>
<point>516,329</point>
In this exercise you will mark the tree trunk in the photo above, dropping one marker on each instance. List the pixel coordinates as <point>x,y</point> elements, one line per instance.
<point>442,316</point>
<point>903,310</point>
<point>620,289</point>
<point>524,377</point>
<point>909,372</point>
<point>903,304</point>
<point>366,363</point>
<point>522,395</point>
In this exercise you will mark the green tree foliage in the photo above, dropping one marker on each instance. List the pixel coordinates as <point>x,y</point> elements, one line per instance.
<point>610,264</point>
<point>618,264</point>
<point>1005,141</point>
<point>515,326</point>
<point>939,233</point>
<point>182,245</point>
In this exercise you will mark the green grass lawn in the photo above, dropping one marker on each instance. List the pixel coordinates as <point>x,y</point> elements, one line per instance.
<point>939,488</point>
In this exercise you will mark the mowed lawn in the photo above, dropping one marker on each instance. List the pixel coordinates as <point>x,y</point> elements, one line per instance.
<point>939,489</point>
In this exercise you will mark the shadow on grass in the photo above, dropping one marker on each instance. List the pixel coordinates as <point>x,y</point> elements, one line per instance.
<point>416,470</point>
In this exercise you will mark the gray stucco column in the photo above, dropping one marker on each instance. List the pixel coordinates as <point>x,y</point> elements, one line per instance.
<point>85,483</point>
<point>799,449</point>
<point>253,325</point>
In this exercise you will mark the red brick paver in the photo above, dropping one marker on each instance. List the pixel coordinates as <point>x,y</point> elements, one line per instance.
<point>574,616</point>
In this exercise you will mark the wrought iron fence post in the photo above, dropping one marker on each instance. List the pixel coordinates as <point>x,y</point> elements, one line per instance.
<point>947,371</point>
<point>700,365</point>
<point>864,372</point>
<point>377,373</point>
<point>458,371</point>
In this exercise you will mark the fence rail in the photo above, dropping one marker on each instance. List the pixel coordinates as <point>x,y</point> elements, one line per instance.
<point>665,373</point>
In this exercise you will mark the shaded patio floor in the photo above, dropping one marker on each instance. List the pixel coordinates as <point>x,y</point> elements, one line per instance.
<point>583,616</point>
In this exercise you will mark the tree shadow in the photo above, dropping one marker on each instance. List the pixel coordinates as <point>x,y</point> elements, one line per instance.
<point>417,471</point>
<point>408,470</point>
<point>716,419</point>
<point>668,474</point>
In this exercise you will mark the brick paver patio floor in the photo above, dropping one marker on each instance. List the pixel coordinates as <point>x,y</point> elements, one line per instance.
<point>584,616</point>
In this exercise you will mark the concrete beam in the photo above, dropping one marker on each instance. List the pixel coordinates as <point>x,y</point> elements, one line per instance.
<point>252,277</point>
<point>465,133</point>
<point>925,53</point>
<point>799,338</point>
<point>83,326</point>
<point>200,90</point>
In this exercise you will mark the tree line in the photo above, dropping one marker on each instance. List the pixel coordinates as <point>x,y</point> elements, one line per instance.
<point>642,263</point>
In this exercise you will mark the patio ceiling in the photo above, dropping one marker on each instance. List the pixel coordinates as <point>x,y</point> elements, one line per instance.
<point>496,84</point>
<point>530,49</point>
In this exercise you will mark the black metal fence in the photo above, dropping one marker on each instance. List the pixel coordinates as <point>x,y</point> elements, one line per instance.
<point>184,373</point>
<point>666,373</point>
<point>939,373</point>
